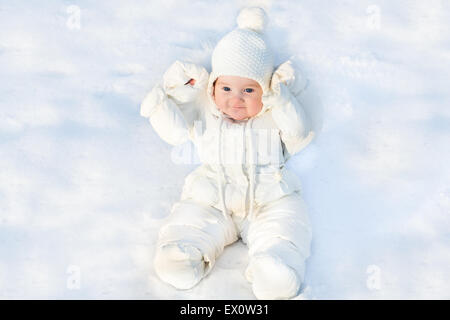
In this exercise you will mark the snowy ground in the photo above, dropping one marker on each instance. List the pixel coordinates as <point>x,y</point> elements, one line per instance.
<point>85,182</point>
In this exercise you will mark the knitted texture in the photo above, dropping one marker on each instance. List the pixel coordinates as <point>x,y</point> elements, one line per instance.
<point>243,52</point>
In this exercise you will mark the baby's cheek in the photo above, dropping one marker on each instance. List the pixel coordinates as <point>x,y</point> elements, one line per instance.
<point>216,97</point>
<point>219,102</point>
<point>258,104</point>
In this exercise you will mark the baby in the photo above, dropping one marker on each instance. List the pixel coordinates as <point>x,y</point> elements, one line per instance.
<point>246,121</point>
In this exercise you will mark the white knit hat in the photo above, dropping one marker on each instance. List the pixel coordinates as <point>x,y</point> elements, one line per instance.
<point>243,52</point>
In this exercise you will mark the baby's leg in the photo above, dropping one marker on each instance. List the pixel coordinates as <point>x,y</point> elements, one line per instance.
<point>279,242</point>
<point>189,243</point>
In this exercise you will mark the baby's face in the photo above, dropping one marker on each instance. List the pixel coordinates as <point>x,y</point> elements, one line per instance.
<point>238,97</point>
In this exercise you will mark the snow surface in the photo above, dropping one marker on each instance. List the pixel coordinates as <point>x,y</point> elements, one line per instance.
<point>85,182</point>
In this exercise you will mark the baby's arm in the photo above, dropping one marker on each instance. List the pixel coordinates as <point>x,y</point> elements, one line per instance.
<point>168,106</point>
<point>287,111</point>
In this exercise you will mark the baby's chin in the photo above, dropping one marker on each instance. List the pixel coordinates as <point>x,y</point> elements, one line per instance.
<point>237,115</point>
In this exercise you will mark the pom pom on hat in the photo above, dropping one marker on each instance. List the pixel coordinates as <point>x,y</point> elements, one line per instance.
<point>253,18</point>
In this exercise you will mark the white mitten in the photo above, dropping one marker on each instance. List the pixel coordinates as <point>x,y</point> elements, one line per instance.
<point>290,75</point>
<point>176,80</point>
<point>284,77</point>
<point>152,100</point>
<point>277,95</point>
<point>287,110</point>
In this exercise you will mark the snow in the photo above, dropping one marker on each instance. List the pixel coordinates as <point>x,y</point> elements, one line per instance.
<point>85,182</point>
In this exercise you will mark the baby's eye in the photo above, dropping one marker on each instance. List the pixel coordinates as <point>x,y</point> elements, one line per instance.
<point>226,89</point>
<point>249,90</point>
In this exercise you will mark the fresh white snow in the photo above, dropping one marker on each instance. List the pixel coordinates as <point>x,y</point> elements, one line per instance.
<point>85,182</point>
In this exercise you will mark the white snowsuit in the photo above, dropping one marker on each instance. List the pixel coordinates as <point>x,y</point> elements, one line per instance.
<point>242,188</point>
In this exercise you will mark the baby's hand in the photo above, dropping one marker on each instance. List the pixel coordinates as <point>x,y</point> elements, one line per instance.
<point>182,73</point>
<point>183,81</point>
<point>283,82</point>
<point>290,75</point>
<point>277,96</point>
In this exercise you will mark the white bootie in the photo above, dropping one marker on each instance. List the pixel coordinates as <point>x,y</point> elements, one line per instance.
<point>180,265</point>
<point>271,278</point>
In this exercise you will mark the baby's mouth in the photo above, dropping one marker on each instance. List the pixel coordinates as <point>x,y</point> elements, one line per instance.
<point>238,107</point>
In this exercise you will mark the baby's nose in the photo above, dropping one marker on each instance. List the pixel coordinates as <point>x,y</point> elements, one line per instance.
<point>238,95</point>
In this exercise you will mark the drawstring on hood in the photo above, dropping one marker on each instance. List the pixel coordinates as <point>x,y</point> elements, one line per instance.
<point>220,172</point>
<point>252,177</point>
<point>221,179</point>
